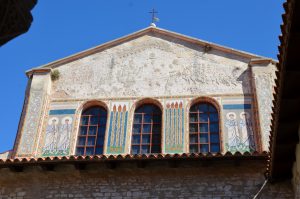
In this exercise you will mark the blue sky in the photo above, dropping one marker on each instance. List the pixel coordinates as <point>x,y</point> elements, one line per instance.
<point>61,28</point>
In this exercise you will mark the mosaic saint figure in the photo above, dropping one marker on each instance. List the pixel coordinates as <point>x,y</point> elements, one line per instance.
<point>232,129</point>
<point>51,135</point>
<point>65,131</point>
<point>247,135</point>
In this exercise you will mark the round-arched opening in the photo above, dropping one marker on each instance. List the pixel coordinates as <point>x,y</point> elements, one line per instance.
<point>204,99</point>
<point>93,103</point>
<point>148,101</point>
<point>204,128</point>
<point>146,130</point>
<point>92,130</point>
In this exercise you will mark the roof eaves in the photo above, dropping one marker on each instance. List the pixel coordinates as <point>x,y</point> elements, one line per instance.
<point>213,45</point>
<point>100,158</point>
<point>285,29</point>
<point>263,61</point>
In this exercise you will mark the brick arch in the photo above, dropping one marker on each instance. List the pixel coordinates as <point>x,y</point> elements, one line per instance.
<point>204,99</point>
<point>90,103</point>
<point>143,101</point>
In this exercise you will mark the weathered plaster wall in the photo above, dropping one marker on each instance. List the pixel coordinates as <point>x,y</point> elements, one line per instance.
<point>153,65</point>
<point>218,181</point>
<point>159,67</point>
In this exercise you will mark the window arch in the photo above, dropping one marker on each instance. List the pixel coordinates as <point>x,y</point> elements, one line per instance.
<point>146,130</point>
<point>92,131</point>
<point>204,128</point>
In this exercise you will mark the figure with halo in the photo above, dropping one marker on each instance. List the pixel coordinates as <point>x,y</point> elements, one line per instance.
<point>247,135</point>
<point>64,138</point>
<point>232,129</point>
<point>52,133</point>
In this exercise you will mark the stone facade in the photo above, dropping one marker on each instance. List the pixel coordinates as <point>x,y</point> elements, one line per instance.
<point>238,105</point>
<point>171,71</point>
<point>161,67</point>
<point>216,181</point>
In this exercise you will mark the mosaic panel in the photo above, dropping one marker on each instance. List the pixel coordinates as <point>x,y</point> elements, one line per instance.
<point>117,127</point>
<point>58,133</point>
<point>238,128</point>
<point>174,126</point>
<point>31,123</point>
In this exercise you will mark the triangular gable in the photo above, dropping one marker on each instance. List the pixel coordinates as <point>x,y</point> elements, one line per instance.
<point>140,33</point>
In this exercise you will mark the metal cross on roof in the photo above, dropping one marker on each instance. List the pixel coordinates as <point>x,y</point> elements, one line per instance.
<point>154,18</point>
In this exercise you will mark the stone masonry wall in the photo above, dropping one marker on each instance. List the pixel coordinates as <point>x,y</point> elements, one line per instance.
<point>217,181</point>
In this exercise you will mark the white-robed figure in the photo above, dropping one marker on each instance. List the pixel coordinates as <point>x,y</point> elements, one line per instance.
<point>247,135</point>
<point>232,129</point>
<point>64,138</point>
<point>52,134</point>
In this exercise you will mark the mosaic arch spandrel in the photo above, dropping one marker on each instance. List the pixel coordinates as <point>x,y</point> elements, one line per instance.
<point>118,127</point>
<point>174,126</point>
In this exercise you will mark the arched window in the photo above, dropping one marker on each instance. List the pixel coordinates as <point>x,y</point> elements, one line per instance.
<point>91,131</point>
<point>204,128</point>
<point>146,131</point>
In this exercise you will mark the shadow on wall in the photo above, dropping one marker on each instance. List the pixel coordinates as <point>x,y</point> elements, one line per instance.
<point>238,118</point>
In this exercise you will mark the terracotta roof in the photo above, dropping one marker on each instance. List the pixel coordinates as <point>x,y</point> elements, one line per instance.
<point>286,105</point>
<point>103,158</point>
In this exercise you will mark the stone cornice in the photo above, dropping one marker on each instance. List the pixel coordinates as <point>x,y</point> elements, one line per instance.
<point>37,70</point>
<point>256,61</point>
